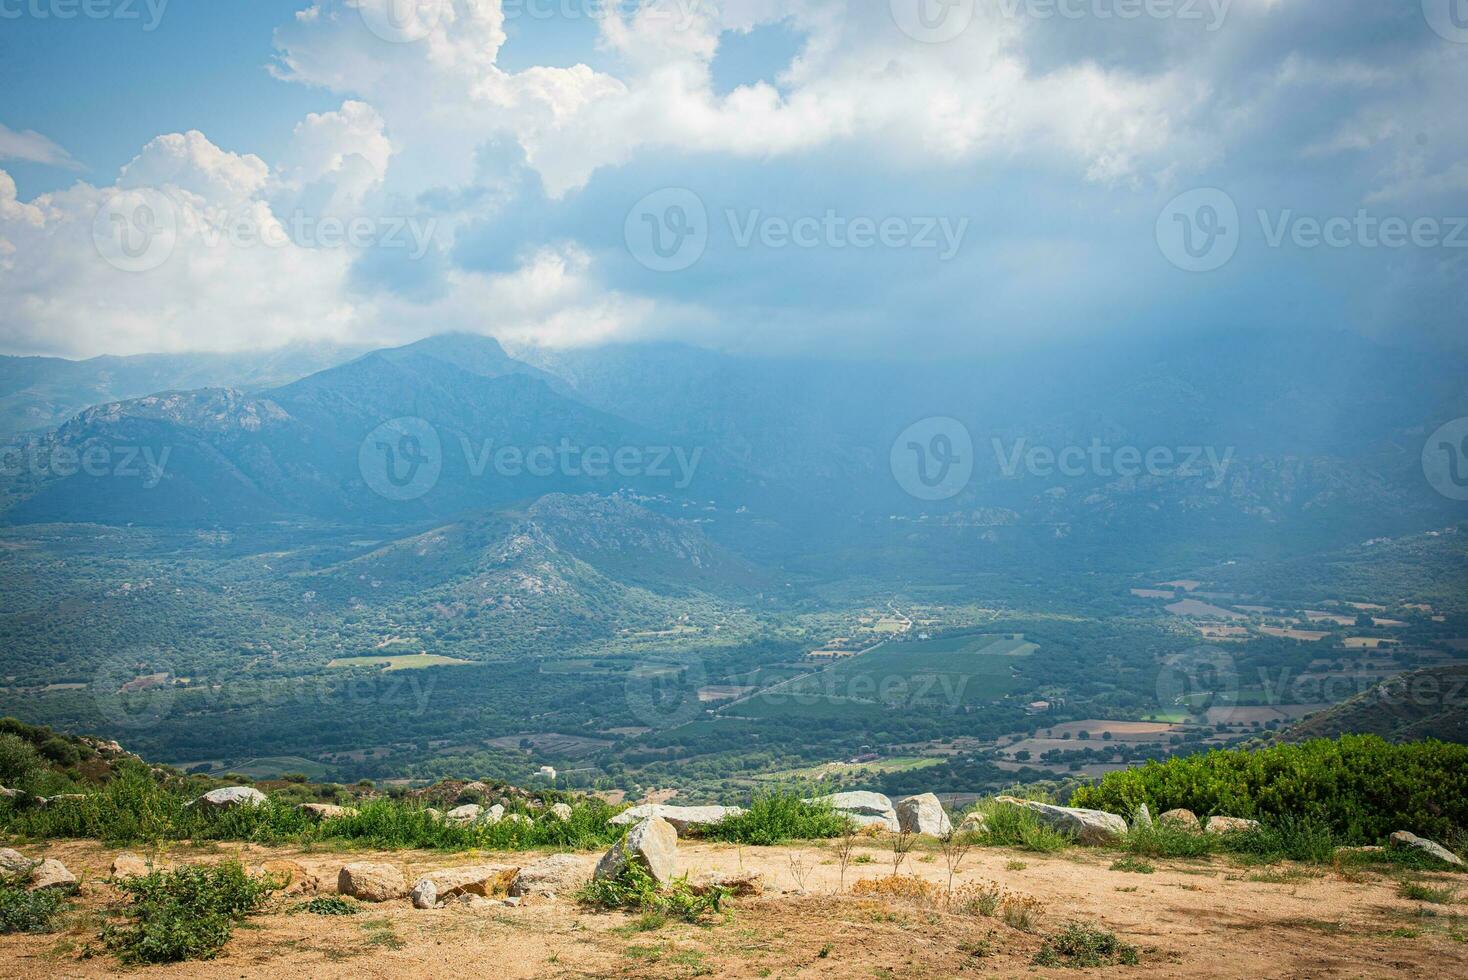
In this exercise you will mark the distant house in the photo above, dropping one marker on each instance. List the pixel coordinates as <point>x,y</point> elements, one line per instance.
<point>549,772</point>
<point>1035,707</point>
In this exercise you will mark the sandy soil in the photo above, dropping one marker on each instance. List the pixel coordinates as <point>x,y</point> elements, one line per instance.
<point>1190,919</point>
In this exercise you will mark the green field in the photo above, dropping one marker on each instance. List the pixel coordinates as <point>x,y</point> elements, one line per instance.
<point>402,661</point>
<point>271,767</point>
<point>954,670</point>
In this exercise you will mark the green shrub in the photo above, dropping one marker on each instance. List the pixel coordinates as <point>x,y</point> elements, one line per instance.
<point>328,905</point>
<point>778,816</point>
<point>23,911</point>
<point>1359,787</point>
<point>1166,840</point>
<point>184,914</point>
<point>1007,825</point>
<point>1295,839</point>
<point>1418,892</point>
<point>637,891</point>
<point>1132,865</point>
<point>21,766</point>
<point>1080,946</point>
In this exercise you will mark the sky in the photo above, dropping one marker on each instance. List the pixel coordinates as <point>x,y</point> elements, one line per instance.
<point>903,178</point>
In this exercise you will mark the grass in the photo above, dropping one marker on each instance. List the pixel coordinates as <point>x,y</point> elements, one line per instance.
<point>185,914</point>
<point>134,808</point>
<point>1132,865</point>
<point>23,911</point>
<point>403,661</point>
<point>635,890</point>
<point>1416,891</point>
<point>1080,946</point>
<point>1013,826</point>
<point>778,816</point>
<point>328,905</point>
<point>1166,841</point>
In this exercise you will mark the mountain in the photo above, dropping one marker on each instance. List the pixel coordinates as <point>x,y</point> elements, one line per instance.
<point>1428,703</point>
<point>38,393</point>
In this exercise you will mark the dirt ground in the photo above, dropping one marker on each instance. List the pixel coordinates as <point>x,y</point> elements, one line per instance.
<point>1211,918</point>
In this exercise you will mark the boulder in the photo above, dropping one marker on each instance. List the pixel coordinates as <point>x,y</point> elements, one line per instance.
<point>1142,819</point>
<point>371,882</point>
<point>1184,819</point>
<point>519,818</point>
<point>289,877</point>
<point>652,843</point>
<point>1086,826</point>
<point>740,884</point>
<point>923,814</point>
<point>559,874</point>
<point>485,881</point>
<point>865,809</point>
<point>495,813</point>
<point>326,811</point>
<point>130,865</point>
<point>1229,825</point>
<point>13,862</point>
<point>434,814</point>
<point>52,875</point>
<point>468,813</point>
<point>973,822</point>
<point>1403,839</point>
<point>230,797</point>
<point>681,817</point>
<point>561,812</point>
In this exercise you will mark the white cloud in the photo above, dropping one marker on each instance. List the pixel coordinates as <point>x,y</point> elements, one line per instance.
<point>31,147</point>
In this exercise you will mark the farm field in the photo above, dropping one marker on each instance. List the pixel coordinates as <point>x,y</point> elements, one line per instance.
<point>965,669</point>
<point>405,661</point>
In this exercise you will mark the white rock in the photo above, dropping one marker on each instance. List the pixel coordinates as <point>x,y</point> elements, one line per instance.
<point>436,887</point>
<point>1229,825</point>
<point>371,882</point>
<point>561,812</point>
<point>1403,838</point>
<point>1142,818</point>
<point>1086,826</point>
<point>13,862</point>
<point>681,817</point>
<point>52,875</point>
<point>865,809</point>
<point>923,814</point>
<point>468,813</point>
<point>653,843</point>
<point>559,874</point>
<point>326,811</point>
<point>1184,819</point>
<point>230,797</point>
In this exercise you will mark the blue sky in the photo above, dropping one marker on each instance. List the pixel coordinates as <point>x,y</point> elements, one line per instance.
<point>817,174</point>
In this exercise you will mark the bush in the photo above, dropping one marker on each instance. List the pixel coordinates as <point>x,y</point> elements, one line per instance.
<point>1079,946</point>
<point>1358,787</point>
<point>23,911</point>
<point>1165,840</point>
<point>184,914</point>
<point>634,890</point>
<point>21,766</point>
<point>776,817</point>
<point>329,905</point>
<point>1007,825</point>
<point>1286,838</point>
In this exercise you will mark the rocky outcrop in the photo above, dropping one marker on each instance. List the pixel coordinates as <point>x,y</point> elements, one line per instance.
<point>1182,819</point>
<point>371,882</point>
<point>652,843</point>
<point>1086,826</point>
<point>683,818</point>
<point>468,813</point>
<point>51,875</point>
<point>326,811</point>
<point>486,881</point>
<point>16,864</point>
<point>865,809</point>
<point>559,874</point>
<point>740,884</point>
<point>1406,840</point>
<point>229,797</point>
<point>1229,825</point>
<point>923,814</point>
<point>561,812</point>
<point>1142,819</point>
